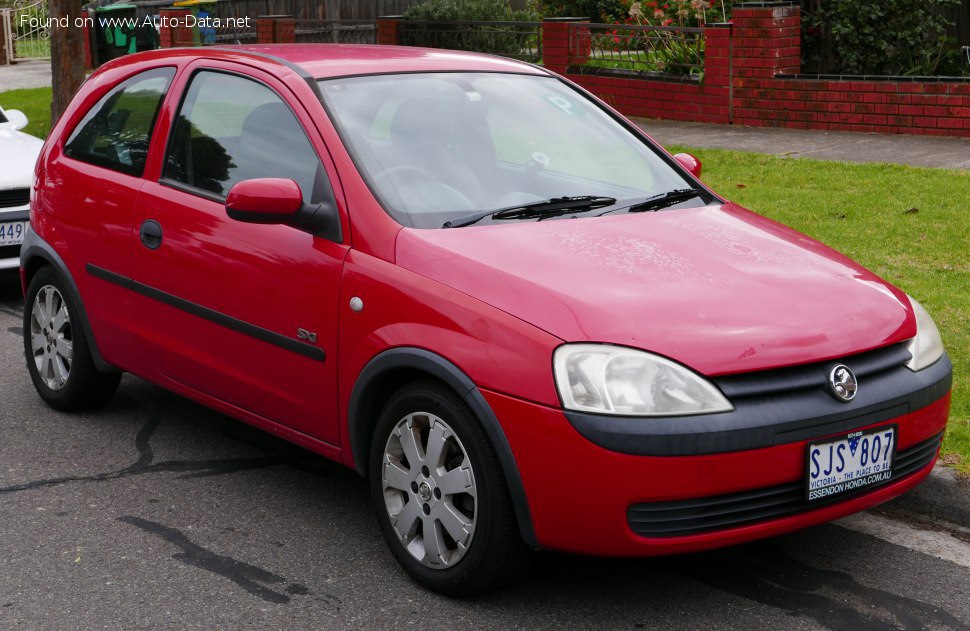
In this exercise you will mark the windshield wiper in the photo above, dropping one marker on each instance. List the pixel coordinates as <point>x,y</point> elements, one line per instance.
<point>548,208</point>
<point>663,200</point>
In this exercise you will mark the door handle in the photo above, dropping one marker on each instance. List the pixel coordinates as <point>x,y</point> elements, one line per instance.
<point>151,234</point>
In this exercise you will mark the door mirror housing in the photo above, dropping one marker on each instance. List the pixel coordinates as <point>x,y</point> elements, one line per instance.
<point>267,200</point>
<point>17,118</point>
<point>690,163</point>
<point>280,201</point>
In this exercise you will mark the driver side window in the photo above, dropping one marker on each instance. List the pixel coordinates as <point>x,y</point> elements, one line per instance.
<point>229,129</point>
<point>115,132</point>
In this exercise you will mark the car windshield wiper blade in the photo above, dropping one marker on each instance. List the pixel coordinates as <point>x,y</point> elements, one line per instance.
<point>548,208</point>
<point>663,200</point>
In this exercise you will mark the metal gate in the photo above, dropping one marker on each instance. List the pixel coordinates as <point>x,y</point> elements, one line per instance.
<point>27,28</point>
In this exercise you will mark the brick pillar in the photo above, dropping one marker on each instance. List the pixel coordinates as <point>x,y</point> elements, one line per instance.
<point>88,57</point>
<point>275,29</point>
<point>285,30</point>
<point>389,30</point>
<point>717,55</point>
<point>3,42</point>
<point>265,29</point>
<point>580,43</point>
<point>767,39</point>
<point>555,43</point>
<point>174,30</point>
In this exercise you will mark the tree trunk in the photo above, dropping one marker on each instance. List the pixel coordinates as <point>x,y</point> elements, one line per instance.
<point>67,55</point>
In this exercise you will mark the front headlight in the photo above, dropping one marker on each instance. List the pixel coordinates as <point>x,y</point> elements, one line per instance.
<point>626,382</point>
<point>926,347</point>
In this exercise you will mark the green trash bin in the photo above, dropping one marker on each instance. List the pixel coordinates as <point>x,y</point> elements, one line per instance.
<point>119,31</point>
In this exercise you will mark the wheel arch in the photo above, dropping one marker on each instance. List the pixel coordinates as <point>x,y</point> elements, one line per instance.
<point>35,253</point>
<point>393,368</point>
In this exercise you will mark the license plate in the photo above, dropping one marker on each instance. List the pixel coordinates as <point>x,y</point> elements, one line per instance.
<point>851,462</point>
<point>12,232</point>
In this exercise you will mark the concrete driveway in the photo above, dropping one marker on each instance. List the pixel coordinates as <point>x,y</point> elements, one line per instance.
<point>30,73</point>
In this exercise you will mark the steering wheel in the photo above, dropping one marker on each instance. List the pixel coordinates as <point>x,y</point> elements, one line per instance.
<point>406,176</point>
<point>403,170</point>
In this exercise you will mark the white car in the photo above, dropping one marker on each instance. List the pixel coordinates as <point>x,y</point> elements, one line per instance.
<point>18,154</point>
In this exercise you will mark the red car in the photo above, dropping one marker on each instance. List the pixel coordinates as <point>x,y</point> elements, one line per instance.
<point>522,320</point>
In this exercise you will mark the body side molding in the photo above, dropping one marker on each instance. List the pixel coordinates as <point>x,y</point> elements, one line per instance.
<point>217,317</point>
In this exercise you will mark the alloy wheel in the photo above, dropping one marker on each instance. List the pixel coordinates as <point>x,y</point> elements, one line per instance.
<point>51,337</point>
<point>429,490</point>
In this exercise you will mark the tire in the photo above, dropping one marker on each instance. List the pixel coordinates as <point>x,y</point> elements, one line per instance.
<point>58,355</point>
<point>462,494</point>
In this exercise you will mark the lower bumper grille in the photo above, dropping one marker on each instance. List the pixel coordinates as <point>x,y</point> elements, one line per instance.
<point>699,515</point>
<point>11,198</point>
<point>9,251</point>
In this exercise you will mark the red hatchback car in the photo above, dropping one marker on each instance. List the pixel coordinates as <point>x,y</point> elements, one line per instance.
<point>526,323</point>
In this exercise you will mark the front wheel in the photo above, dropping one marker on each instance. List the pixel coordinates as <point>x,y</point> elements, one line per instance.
<point>58,355</point>
<point>441,499</point>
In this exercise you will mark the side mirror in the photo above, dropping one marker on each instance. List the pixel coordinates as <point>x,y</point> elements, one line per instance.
<point>267,200</point>
<point>280,201</point>
<point>690,163</point>
<point>18,118</point>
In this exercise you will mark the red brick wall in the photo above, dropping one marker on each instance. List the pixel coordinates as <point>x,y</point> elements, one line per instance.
<point>900,107</point>
<point>685,100</point>
<point>757,84</point>
<point>751,78</point>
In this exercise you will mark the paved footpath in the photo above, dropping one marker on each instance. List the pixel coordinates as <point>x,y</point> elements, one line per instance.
<point>32,73</point>
<point>920,151</point>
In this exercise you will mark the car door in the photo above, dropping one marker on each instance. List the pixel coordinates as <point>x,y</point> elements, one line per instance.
<point>93,184</point>
<point>241,314</point>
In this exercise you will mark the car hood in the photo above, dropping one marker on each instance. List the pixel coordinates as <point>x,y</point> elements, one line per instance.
<point>18,154</point>
<point>720,289</point>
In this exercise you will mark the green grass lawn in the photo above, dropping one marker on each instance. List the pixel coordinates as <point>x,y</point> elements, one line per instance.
<point>863,210</point>
<point>35,103</point>
<point>866,212</point>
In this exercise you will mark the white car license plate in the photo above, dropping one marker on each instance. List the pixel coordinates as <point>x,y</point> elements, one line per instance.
<point>851,462</point>
<point>12,232</point>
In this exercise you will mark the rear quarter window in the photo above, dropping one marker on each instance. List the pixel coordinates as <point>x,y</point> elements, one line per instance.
<point>115,133</point>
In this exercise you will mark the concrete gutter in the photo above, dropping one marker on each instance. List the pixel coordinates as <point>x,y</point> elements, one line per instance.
<point>942,497</point>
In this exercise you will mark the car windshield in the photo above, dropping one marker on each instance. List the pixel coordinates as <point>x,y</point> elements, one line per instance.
<point>436,147</point>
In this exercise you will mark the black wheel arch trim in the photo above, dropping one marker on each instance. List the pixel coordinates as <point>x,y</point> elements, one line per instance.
<point>35,247</point>
<point>445,371</point>
<point>769,420</point>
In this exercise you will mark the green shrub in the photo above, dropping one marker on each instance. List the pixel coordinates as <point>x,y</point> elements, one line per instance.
<point>878,37</point>
<point>435,27</point>
<point>605,11</point>
<point>469,10</point>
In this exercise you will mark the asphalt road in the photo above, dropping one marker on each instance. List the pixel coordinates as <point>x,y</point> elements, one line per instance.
<point>157,513</point>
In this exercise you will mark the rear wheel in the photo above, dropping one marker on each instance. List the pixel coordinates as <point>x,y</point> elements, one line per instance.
<point>441,499</point>
<point>58,355</point>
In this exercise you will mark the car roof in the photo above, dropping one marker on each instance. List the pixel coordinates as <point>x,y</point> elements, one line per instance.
<point>323,61</point>
<point>335,60</point>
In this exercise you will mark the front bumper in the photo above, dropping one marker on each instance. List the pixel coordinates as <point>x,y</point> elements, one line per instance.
<point>585,498</point>
<point>10,254</point>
